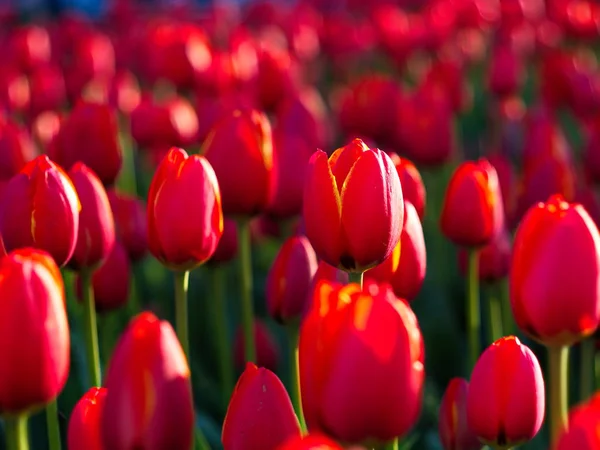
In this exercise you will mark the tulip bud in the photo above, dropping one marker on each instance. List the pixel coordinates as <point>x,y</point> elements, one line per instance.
<point>33,314</point>
<point>505,71</point>
<point>310,442</point>
<point>130,223</point>
<point>84,424</point>
<point>149,399</point>
<point>454,430</point>
<point>40,209</point>
<point>336,204</point>
<point>554,276</point>
<point>96,236</point>
<point>413,189</point>
<point>505,403</point>
<point>185,220</point>
<point>16,148</point>
<point>227,247</point>
<point>260,414</point>
<point>405,268</point>
<point>341,335</point>
<point>473,214</point>
<point>290,279</point>
<point>267,351</point>
<point>582,433</point>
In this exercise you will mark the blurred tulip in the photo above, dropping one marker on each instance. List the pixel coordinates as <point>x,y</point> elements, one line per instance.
<point>15,92</point>
<point>506,74</point>
<point>508,183</point>
<point>16,148</point>
<point>84,424</point>
<point>149,395</point>
<point>405,268</point>
<point>473,213</point>
<point>290,279</point>
<point>40,209</point>
<point>129,213</point>
<point>454,430</point>
<point>327,272</point>
<point>227,248</point>
<point>502,412</point>
<point>48,92</point>
<point>413,189</point>
<point>374,336</point>
<point>90,135</point>
<point>449,74</point>
<point>96,236</point>
<point>309,442</point>
<point>240,149</point>
<point>494,258</point>
<point>334,217</point>
<point>124,92</point>
<point>185,221</point>
<point>267,351</point>
<point>260,414</point>
<point>555,273</point>
<point>583,427</point>
<point>30,46</point>
<point>278,76</point>
<point>33,314</point>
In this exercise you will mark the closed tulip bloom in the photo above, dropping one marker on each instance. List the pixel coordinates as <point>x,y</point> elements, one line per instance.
<point>240,150</point>
<point>260,414</point>
<point>555,273</point>
<point>32,305</point>
<point>375,337</point>
<point>310,442</point>
<point>84,424</point>
<point>582,433</point>
<point>131,227</point>
<point>413,189</point>
<point>405,268</point>
<point>149,400</point>
<point>505,403</point>
<point>40,209</point>
<point>96,236</point>
<point>185,219</point>
<point>473,212</point>
<point>355,184</point>
<point>453,426</point>
<point>290,279</point>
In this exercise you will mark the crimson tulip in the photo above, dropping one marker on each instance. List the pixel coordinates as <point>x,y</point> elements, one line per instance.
<point>16,148</point>
<point>84,424</point>
<point>505,76</point>
<point>336,204</point>
<point>413,188</point>
<point>267,350</point>
<point>227,248</point>
<point>129,213</point>
<point>454,430</point>
<point>310,442</point>
<point>582,433</point>
<point>185,220</point>
<point>40,209</point>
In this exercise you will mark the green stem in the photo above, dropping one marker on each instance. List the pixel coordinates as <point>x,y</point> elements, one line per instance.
<point>246,286</point>
<point>588,353</point>
<point>558,360</point>
<point>200,442</point>
<point>356,277</point>
<point>218,308</point>
<point>182,281</point>
<point>295,375</point>
<point>508,321</point>
<point>91,328</point>
<point>392,445</point>
<point>597,368</point>
<point>17,436</point>
<point>494,315</point>
<point>473,313</point>
<point>52,425</point>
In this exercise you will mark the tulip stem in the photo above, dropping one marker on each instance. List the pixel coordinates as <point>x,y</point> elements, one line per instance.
<point>182,281</point>
<point>597,368</point>
<point>52,425</point>
<point>588,353</point>
<point>508,321</point>
<point>295,376</point>
<point>473,312</point>
<point>243,228</point>
<point>392,445</point>
<point>91,328</point>
<point>219,310</point>
<point>356,277</point>
<point>558,359</point>
<point>17,436</point>
<point>494,315</point>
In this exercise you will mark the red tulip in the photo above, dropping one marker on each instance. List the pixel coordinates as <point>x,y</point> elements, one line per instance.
<point>473,214</point>
<point>16,148</point>
<point>326,272</point>
<point>48,92</point>
<point>149,399</point>
<point>413,189</point>
<point>96,236</point>
<point>40,209</point>
<point>267,351</point>
<point>84,424</point>
<point>260,414</point>
<point>501,411</point>
<point>494,258</point>
<point>129,213</point>
<point>582,433</point>
<point>30,46</point>
<point>555,273</point>
<point>505,76</point>
<point>449,74</point>
<point>278,75</point>
<point>405,268</point>
<point>15,93</point>
<point>33,313</point>
<point>228,244</point>
<point>185,220</point>
<point>508,183</point>
<point>240,149</point>
<point>336,202</point>
<point>454,430</point>
<point>373,336</point>
<point>310,442</point>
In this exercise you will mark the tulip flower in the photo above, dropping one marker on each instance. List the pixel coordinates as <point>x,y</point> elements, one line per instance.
<point>149,397</point>
<point>267,350</point>
<point>227,248</point>
<point>582,433</point>
<point>413,189</point>
<point>260,414</point>
<point>310,442</point>
<point>505,76</point>
<point>342,335</point>
<point>454,430</point>
<point>129,213</point>
<point>502,411</point>
<point>405,268</point>
<point>84,424</point>
<point>336,203</point>
<point>16,148</point>
<point>40,209</point>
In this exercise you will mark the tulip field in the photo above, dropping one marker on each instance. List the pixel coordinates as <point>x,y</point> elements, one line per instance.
<point>301,225</point>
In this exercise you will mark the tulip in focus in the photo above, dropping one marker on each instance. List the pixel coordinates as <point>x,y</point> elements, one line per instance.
<point>84,424</point>
<point>505,402</point>
<point>260,414</point>
<point>340,193</point>
<point>454,430</point>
